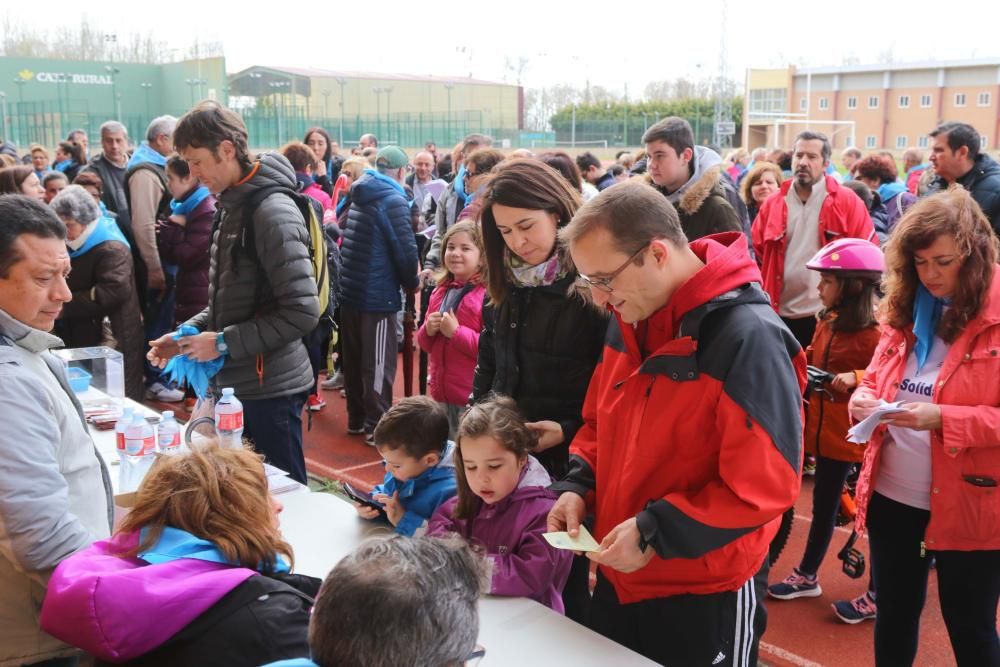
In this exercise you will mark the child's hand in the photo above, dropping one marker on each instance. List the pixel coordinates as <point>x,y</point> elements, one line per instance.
<point>394,510</point>
<point>433,324</point>
<point>844,382</point>
<point>366,512</point>
<point>178,220</point>
<point>449,324</point>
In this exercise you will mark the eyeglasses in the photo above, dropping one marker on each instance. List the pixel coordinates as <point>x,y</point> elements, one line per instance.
<point>604,284</point>
<point>475,657</point>
<point>469,176</point>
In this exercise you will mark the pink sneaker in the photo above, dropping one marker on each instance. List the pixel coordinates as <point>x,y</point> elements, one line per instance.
<point>861,608</point>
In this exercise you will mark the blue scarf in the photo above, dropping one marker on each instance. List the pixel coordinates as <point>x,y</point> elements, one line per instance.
<point>190,203</point>
<point>926,316</point>
<point>63,166</point>
<point>146,154</point>
<point>383,177</point>
<point>887,191</point>
<point>107,230</point>
<point>459,184</point>
<point>175,544</point>
<point>196,374</point>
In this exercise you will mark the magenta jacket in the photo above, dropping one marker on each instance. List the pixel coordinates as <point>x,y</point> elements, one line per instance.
<point>522,562</point>
<point>316,192</point>
<point>453,360</point>
<point>118,608</point>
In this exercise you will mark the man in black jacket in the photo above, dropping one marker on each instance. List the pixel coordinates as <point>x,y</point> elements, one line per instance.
<point>956,159</point>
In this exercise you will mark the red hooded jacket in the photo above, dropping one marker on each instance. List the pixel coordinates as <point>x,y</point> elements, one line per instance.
<point>843,215</point>
<point>965,451</point>
<point>701,438</point>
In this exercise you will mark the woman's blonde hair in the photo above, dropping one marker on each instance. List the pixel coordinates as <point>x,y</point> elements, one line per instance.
<point>470,227</point>
<point>355,166</point>
<point>216,494</point>
<point>956,214</point>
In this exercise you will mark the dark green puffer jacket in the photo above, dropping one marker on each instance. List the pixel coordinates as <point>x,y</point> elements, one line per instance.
<point>264,305</point>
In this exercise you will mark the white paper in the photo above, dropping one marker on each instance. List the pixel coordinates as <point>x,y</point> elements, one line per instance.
<point>862,431</point>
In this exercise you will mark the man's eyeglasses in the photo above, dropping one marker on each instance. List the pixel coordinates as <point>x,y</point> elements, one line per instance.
<point>604,284</point>
<point>475,657</point>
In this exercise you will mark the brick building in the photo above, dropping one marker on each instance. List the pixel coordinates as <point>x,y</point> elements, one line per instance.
<point>872,106</point>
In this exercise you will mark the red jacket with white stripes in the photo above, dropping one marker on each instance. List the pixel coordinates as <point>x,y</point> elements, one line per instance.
<point>843,215</point>
<point>701,437</point>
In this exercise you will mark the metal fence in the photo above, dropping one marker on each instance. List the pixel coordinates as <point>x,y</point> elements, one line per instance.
<point>47,123</point>
<point>627,130</point>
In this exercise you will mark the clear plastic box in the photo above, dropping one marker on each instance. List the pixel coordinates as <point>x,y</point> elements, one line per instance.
<point>103,392</point>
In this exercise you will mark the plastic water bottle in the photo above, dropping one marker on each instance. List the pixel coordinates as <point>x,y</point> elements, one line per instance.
<point>140,451</point>
<point>120,426</point>
<point>229,419</point>
<point>168,434</point>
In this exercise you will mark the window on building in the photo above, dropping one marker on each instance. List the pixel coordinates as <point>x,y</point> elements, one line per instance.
<point>924,141</point>
<point>984,142</point>
<point>901,141</point>
<point>848,141</point>
<point>852,102</point>
<point>904,101</point>
<point>925,101</point>
<point>870,141</point>
<point>824,103</point>
<point>873,101</point>
<point>802,103</point>
<point>959,99</point>
<point>769,100</point>
<point>983,100</point>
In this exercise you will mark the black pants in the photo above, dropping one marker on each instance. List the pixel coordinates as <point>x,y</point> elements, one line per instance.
<point>828,485</point>
<point>370,349</point>
<point>802,328</point>
<point>968,588</point>
<point>274,425</point>
<point>717,629</point>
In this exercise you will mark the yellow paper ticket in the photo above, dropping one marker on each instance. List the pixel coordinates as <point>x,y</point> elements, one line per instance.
<point>562,540</point>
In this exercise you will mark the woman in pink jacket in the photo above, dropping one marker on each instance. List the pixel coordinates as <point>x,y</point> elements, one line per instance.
<point>929,481</point>
<point>450,334</point>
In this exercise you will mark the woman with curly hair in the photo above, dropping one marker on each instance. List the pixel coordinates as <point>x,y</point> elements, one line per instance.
<point>929,481</point>
<point>197,573</point>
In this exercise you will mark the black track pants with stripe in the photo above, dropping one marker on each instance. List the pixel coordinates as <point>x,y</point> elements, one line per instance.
<point>369,349</point>
<point>722,629</point>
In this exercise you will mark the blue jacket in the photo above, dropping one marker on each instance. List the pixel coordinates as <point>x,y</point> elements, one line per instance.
<point>379,250</point>
<point>421,495</point>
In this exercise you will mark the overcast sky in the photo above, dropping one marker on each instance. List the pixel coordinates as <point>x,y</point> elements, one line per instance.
<point>644,41</point>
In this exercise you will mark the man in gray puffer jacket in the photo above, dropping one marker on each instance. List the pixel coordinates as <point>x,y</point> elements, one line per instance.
<point>259,307</point>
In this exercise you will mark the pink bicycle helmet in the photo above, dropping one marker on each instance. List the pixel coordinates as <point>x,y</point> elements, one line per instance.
<point>849,256</point>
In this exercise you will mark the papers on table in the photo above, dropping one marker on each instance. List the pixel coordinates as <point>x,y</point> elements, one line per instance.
<point>862,431</point>
<point>582,542</point>
<point>278,480</point>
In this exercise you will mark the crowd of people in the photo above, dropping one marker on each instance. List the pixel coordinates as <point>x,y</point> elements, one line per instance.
<point>623,348</point>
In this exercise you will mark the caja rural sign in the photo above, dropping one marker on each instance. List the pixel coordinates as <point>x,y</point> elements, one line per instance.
<point>63,77</point>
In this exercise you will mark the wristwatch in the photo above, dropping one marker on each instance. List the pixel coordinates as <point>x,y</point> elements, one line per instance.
<point>220,343</point>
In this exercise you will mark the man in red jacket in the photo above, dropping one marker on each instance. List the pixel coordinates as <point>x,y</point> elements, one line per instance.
<point>692,438</point>
<point>810,210</point>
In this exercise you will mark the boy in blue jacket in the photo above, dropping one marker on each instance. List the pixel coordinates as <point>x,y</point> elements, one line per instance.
<point>412,437</point>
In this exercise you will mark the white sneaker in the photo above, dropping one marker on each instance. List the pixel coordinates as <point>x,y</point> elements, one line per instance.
<point>160,392</point>
<point>336,381</point>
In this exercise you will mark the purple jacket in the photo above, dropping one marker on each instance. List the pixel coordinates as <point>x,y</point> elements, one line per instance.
<point>188,248</point>
<point>523,563</point>
<point>121,608</point>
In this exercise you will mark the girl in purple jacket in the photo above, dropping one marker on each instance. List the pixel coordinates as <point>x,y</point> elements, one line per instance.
<point>502,504</point>
<point>450,334</point>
